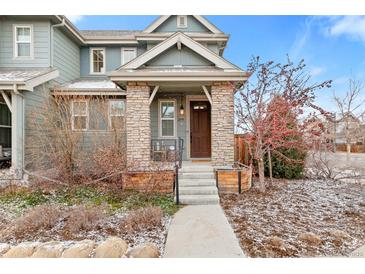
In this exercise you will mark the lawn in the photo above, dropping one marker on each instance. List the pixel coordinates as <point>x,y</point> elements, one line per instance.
<point>48,213</point>
<point>300,218</point>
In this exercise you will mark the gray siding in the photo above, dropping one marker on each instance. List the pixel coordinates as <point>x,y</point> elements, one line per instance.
<point>184,57</point>
<point>66,56</point>
<point>170,25</point>
<point>113,57</point>
<point>41,38</point>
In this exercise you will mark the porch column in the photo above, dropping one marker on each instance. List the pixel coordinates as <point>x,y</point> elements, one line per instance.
<point>222,124</point>
<point>138,123</point>
<point>17,123</point>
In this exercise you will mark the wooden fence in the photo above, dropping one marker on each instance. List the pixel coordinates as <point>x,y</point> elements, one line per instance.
<point>240,149</point>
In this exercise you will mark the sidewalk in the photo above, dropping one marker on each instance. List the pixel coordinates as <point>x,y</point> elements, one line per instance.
<point>201,231</point>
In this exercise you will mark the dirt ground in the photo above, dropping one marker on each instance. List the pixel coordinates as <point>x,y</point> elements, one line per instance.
<point>334,212</point>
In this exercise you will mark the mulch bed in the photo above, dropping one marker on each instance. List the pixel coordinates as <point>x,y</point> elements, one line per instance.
<point>290,208</point>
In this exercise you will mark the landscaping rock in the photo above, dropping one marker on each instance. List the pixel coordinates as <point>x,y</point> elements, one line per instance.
<point>23,250</point>
<point>144,251</point>
<point>113,247</point>
<point>339,234</point>
<point>4,248</point>
<point>48,250</point>
<point>310,238</point>
<point>276,242</point>
<point>81,249</point>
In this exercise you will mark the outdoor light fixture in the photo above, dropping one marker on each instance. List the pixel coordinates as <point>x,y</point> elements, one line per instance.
<point>181,107</point>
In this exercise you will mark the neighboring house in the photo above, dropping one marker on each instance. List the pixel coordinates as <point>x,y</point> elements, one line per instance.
<point>169,81</point>
<point>349,128</point>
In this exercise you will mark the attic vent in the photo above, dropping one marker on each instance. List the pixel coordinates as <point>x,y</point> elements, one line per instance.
<point>182,21</point>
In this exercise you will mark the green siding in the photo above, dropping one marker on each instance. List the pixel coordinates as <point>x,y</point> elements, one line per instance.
<point>66,56</point>
<point>170,25</point>
<point>41,38</point>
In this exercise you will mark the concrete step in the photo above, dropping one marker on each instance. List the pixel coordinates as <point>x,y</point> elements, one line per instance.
<point>196,182</point>
<point>196,175</point>
<point>196,169</point>
<point>198,190</point>
<point>199,199</point>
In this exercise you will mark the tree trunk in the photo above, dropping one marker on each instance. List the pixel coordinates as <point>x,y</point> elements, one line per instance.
<point>348,151</point>
<point>270,166</point>
<point>261,175</point>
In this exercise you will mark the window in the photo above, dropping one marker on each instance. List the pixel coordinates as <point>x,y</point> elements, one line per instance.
<point>116,114</point>
<point>182,21</point>
<point>128,54</point>
<point>80,115</point>
<point>167,118</point>
<point>23,41</point>
<point>97,61</point>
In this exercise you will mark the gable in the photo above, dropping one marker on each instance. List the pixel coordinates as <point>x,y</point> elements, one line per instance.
<point>175,57</point>
<point>170,25</point>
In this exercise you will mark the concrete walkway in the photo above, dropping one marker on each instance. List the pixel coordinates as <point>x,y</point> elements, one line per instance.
<point>201,231</point>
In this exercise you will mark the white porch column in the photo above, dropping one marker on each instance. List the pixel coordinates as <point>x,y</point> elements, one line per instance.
<point>17,123</point>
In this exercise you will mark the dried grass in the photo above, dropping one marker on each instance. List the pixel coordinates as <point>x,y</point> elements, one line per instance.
<point>143,219</point>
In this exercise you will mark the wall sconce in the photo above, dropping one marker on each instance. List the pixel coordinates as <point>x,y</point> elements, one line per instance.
<point>182,109</point>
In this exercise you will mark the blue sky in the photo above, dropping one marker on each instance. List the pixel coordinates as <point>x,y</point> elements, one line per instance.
<point>332,47</point>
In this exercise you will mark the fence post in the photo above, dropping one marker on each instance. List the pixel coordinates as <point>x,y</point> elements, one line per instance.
<point>239,181</point>
<point>177,184</point>
<point>216,178</point>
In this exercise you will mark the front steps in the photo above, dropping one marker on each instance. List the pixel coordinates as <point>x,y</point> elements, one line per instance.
<point>197,185</point>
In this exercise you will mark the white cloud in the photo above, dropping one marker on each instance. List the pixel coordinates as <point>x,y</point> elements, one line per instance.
<point>75,18</point>
<point>315,71</point>
<point>350,26</point>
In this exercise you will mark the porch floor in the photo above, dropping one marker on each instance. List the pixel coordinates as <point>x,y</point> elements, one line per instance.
<point>201,231</point>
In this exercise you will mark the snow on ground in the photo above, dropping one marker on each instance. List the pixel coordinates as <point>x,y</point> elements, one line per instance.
<point>291,208</point>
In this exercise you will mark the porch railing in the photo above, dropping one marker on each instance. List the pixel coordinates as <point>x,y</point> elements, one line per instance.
<point>169,150</point>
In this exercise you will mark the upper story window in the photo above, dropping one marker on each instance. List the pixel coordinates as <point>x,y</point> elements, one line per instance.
<point>167,118</point>
<point>97,60</point>
<point>128,54</point>
<point>182,21</point>
<point>23,44</point>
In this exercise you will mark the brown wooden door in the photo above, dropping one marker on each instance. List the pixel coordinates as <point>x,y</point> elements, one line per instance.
<point>200,143</point>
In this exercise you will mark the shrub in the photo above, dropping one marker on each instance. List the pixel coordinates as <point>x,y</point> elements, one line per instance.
<point>143,219</point>
<point>291,168</point>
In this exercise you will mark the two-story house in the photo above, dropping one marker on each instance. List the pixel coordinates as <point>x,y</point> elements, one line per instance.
<point>169,81</point>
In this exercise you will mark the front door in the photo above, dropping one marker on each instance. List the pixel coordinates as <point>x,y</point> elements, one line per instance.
<point>200,143</point>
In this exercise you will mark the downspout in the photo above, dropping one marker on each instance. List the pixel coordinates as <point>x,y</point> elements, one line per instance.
<point>63,23</point>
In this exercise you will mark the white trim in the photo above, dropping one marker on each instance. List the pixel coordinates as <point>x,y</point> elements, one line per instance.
<point>163,18</point>
<point>190,98</point>
<point>153,94</point>
<point>187,41</point>
<point>123,49</point>
<point>109,112</point>
<point>207,94</point>
<point>92,61</point>
<point>159,120</point>
<point>15,42</point>
<point>7,100</point>
<point>73,114</point>
<point>178,22</point>
<point>87,93</point>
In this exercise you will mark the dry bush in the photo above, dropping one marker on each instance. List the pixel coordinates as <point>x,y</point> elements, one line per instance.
<point>83,218</point>
<point>143,219</point>
<point>42,217</point>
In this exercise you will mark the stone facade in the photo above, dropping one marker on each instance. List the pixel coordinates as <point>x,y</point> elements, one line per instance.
<point>138,123</point>
<point>222,124</point>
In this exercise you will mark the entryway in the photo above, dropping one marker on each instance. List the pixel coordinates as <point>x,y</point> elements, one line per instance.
<point>200,131</point>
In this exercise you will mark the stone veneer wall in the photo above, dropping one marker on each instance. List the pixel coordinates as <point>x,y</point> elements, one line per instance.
<point>138,126</point>
<point>222,124</point>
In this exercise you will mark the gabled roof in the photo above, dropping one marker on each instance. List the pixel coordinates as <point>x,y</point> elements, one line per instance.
<point>174,39</point>
<point>159,21</point>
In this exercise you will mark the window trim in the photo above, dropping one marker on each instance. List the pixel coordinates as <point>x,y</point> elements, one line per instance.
<point>122,55</point>
<point>109,111</point>
<point>92,61</point>
<point>73,114</point>
<point>2,125</point>
<point>15,42</point>
<point>178,23</point>
<point>160,101</point>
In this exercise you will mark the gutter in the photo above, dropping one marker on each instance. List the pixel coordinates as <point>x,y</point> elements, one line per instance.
<point>63,23</point>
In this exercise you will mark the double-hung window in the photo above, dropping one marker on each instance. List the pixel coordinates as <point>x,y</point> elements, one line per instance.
<point>128,54</point>
<point>80,115</point>
<point>97,60</point>
<point>182,21</point>
<point>116,114</point>
<point>167,113</point>
<point>23,47</point>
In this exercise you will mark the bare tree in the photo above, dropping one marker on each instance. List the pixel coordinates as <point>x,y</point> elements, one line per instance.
<point>351,110</point>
